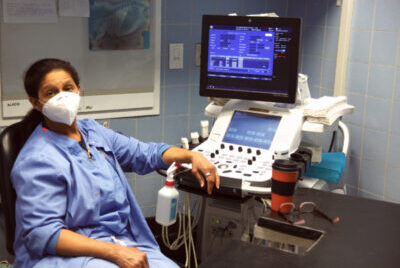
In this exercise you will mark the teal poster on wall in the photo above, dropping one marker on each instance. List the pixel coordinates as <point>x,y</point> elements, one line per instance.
<point>119,24</point>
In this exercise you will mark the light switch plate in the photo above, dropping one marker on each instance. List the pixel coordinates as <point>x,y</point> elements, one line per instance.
<point>176,56</point>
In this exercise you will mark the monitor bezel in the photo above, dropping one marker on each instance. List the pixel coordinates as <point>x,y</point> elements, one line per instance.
<point>295,23</point>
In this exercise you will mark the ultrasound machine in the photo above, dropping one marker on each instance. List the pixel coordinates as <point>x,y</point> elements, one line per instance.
<point>253,62</point>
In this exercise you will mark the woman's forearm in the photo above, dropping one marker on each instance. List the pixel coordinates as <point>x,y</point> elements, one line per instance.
<point>71,244</point>
<point>175,154</point>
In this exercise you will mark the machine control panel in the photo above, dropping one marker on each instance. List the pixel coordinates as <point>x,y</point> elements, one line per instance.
<point>243,140</point>
<point>238,161</point>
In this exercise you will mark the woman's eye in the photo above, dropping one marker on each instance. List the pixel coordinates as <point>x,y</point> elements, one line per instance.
<point>49,93</point>
<point>69,88</point>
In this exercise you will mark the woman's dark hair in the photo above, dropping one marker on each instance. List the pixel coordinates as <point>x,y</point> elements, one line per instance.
<point>34,76</point>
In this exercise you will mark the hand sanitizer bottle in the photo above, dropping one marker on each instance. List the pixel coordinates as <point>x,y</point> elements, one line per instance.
<point>167,200</point>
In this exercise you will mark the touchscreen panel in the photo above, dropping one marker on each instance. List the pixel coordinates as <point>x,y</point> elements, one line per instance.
<point>252,129</point>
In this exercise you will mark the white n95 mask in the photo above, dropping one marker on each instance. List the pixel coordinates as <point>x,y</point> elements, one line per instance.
<point>62,108</point>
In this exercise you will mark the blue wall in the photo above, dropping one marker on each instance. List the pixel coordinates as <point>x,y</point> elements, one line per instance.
<point>373,86</point>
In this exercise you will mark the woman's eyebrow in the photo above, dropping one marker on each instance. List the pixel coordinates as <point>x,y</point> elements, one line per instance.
<point>68,81</point>
<point>47,87</point>
<point>65,82</point>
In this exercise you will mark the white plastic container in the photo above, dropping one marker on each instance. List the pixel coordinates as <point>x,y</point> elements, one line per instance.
<point>195,138</point>
<point>204,129</point>
<point>281,152</point>
<point>167,200</point>
<point>167,204</point>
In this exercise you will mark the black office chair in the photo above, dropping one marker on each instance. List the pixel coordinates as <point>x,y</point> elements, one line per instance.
<point>12,139</point>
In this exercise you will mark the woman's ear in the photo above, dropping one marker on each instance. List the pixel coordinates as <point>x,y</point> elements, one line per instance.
<point>36,104</point>
<point>79,90</point>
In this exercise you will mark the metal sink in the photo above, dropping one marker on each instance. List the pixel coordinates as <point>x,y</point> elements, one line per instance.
<point>284,236</point>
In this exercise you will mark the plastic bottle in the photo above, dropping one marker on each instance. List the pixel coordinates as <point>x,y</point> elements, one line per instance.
<point>204,130</point>
<point>185,143</point>
<point>194,136</point>
<point>167,200</point>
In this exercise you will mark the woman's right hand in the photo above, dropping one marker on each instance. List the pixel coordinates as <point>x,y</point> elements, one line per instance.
<point>129,257</point>
<point>72,244</point>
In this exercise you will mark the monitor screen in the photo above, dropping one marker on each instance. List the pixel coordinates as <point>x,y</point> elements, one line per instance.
<point>252,129</point>
<point>252,58</point>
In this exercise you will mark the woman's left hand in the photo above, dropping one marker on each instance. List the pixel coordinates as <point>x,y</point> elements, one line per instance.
<point>202,168</point>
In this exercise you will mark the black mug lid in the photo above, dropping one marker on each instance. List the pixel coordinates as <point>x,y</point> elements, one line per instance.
<point>285,165</point>
<point>298,157</point>
<point>306,153</point>
<point>303,150</point>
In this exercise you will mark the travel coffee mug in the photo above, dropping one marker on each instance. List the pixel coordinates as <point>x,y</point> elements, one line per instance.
<point>301,163</point>
<point>284,177</point>
<point>307,155</point>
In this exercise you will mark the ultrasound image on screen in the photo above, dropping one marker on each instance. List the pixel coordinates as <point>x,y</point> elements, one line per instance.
<point>252,129</point>
<point>244,51</point>
<point>253,59</point>
<point>250,58</point>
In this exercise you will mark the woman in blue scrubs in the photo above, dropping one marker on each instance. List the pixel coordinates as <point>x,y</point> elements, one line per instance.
<point>74,206</point>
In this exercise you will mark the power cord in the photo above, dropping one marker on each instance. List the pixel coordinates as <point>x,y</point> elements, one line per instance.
<point>332,141</point>
<point>185,230</point>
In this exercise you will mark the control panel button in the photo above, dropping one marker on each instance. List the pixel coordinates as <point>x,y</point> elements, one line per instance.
<point>222,166</point>
<point>240,149</point>
<point>249,162</point>
<point>212,155</point>
<point>258,152</point>
<point>231,147</point>
<point>249,150</point>
<point>216,152</point>
<point>253,158</point>
<point>222,146</point>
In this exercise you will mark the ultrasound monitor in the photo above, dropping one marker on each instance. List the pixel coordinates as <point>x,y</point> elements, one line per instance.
<point>252,58</point>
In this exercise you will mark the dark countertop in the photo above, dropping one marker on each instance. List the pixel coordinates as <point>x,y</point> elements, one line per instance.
<point>368,235</point>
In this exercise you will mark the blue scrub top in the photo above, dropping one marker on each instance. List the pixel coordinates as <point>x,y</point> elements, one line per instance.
<point>58,186</point>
